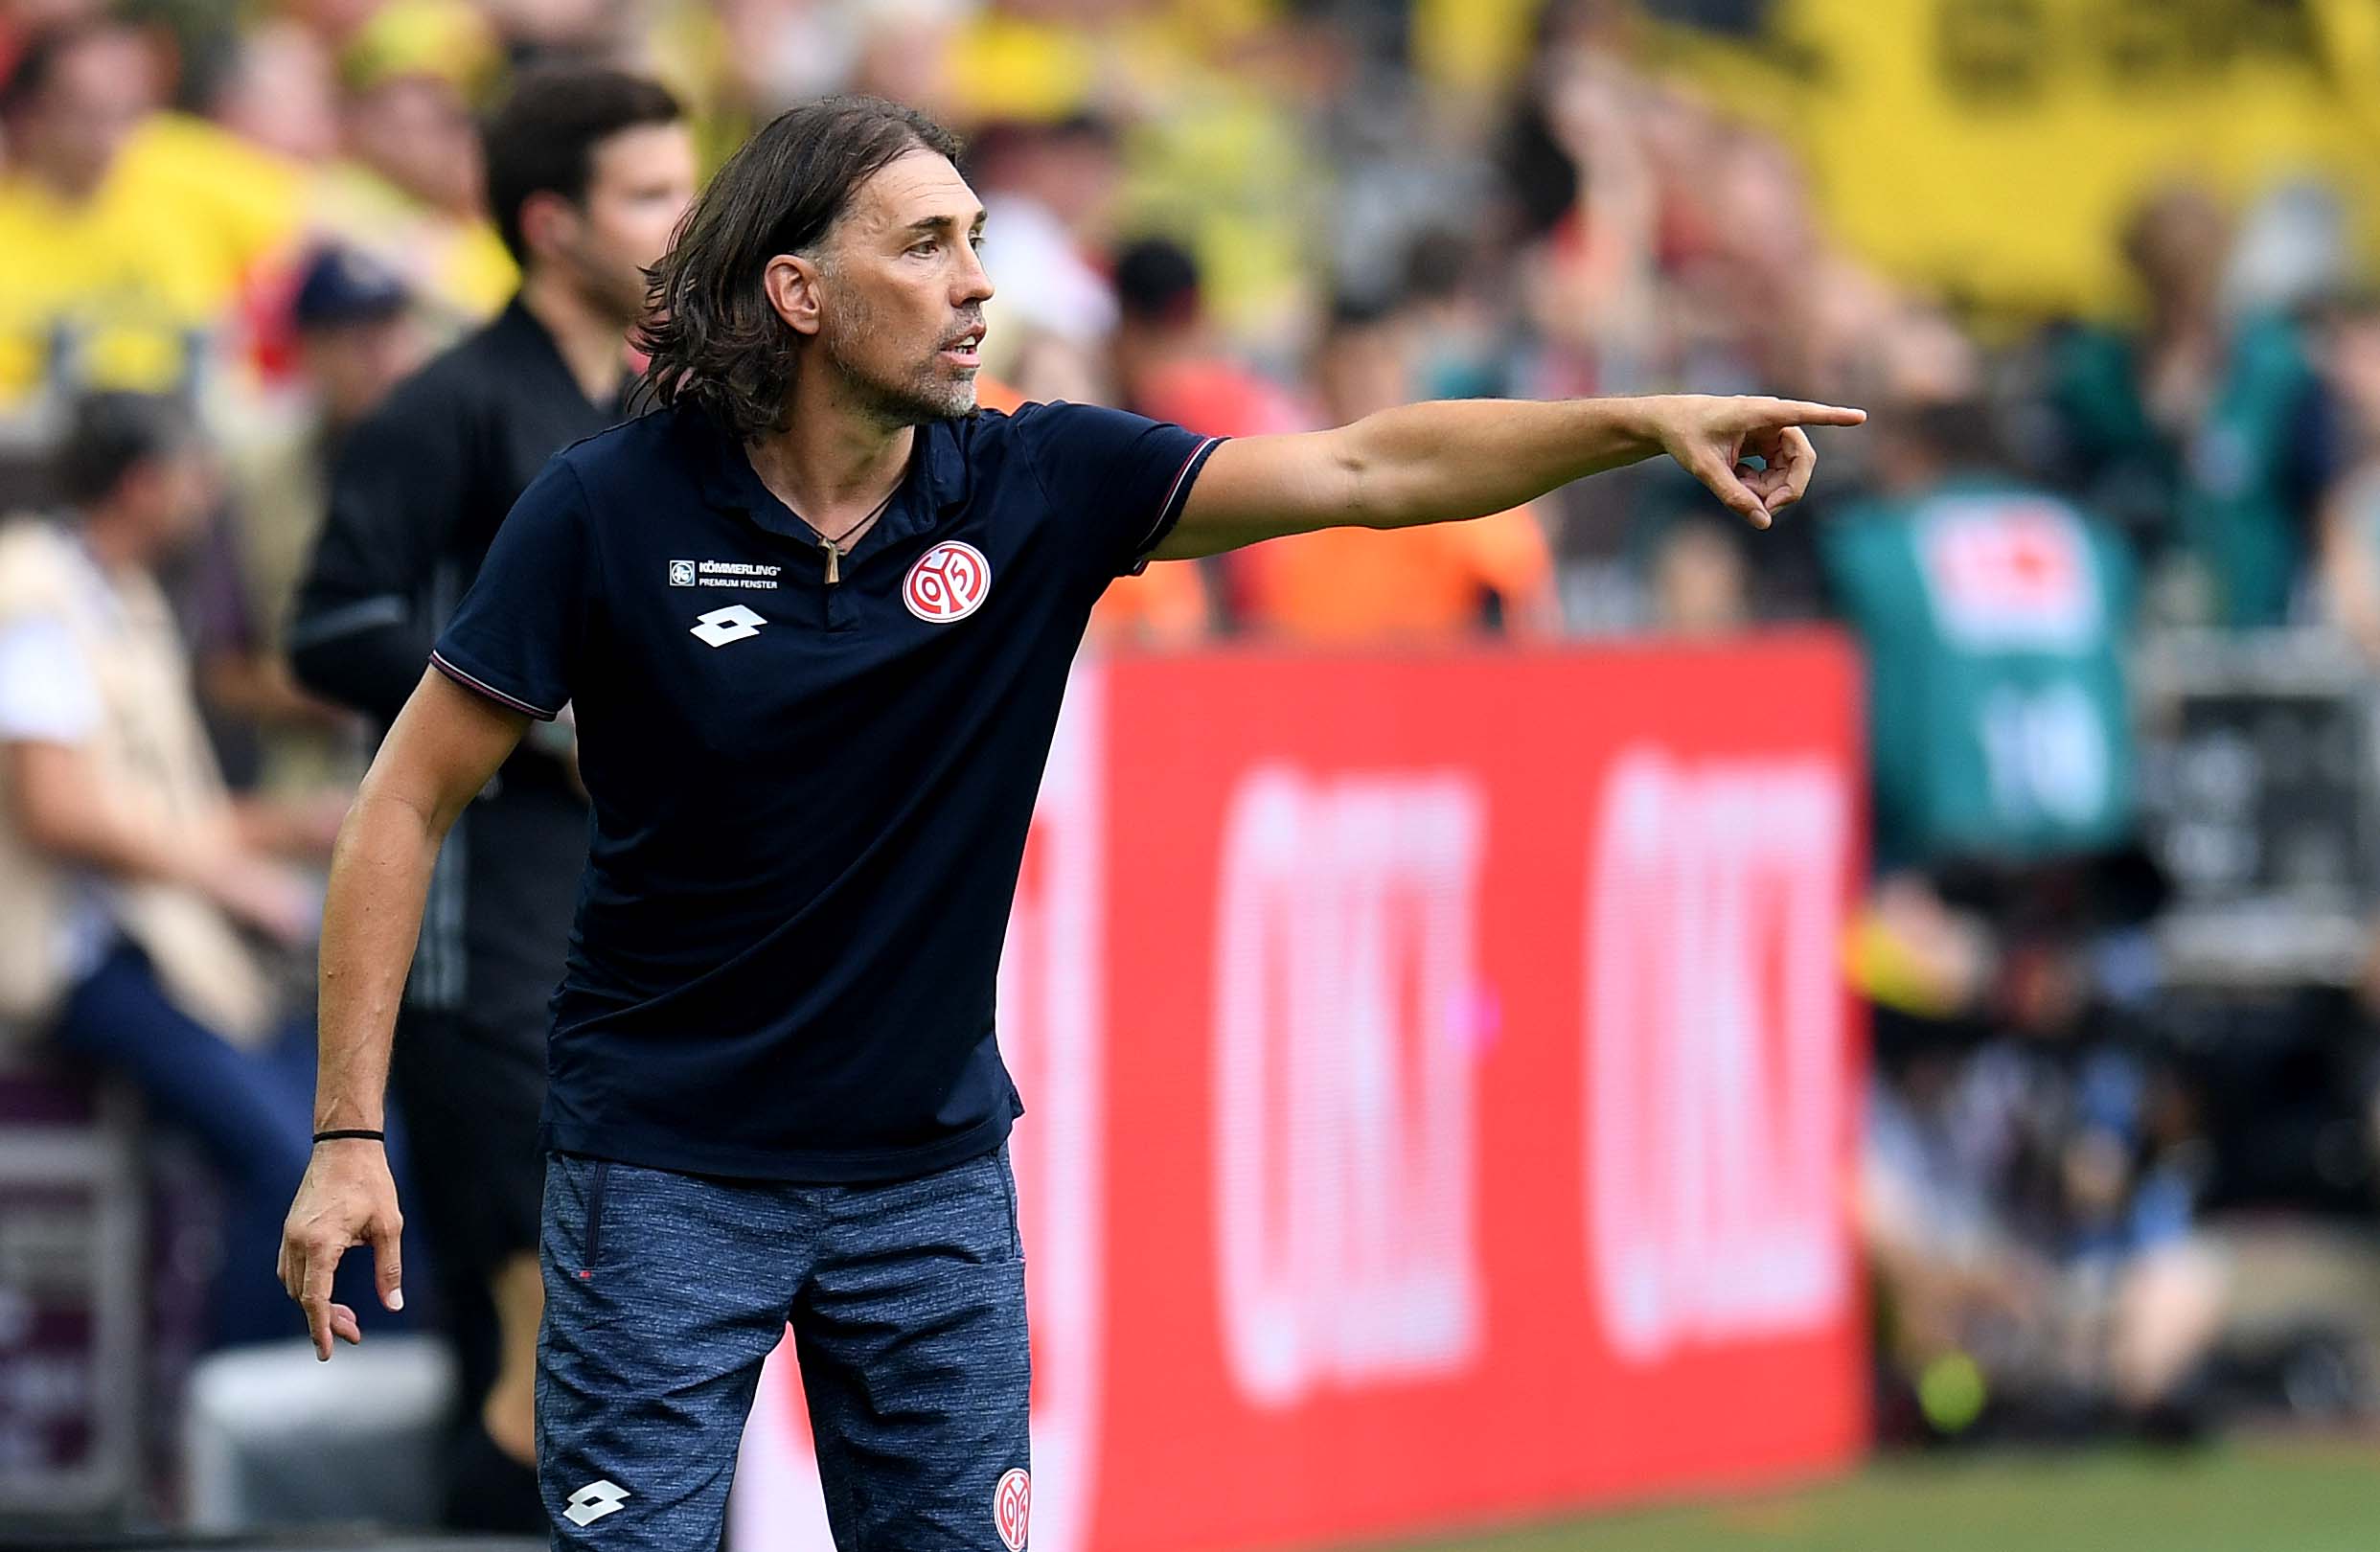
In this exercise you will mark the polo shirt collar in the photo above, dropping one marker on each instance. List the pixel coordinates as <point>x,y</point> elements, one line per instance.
<point>935,482</point>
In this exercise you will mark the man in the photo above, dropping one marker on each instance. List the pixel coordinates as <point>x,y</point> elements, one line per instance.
<point>1996,617</point>
<point>1049,190</point>
<point>414,188</point>
<point>589,170</point>
<point>356,339</point>
<point>2199,431</point>
<point>125,865</point>
<point>126,233</point>
<point>816,620</point>
<point>1171,361</point>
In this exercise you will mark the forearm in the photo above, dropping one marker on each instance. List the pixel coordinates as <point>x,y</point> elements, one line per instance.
<point>301,829</point>
<point>258,686</point>
<point>124,848</point>
<point>264,825</point>
<point>65,812</point>
<point>372,915</point>
<point>1467,458</point>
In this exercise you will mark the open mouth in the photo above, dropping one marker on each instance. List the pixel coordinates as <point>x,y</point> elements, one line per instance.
<point>965,351</point>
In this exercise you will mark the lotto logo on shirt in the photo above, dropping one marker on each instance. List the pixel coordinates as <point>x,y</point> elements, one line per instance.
<point>949,582</point>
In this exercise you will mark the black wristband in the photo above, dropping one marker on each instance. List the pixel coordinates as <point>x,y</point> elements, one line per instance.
<point>359,1133</point>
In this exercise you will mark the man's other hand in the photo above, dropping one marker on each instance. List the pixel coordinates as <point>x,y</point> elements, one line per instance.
<point>346,1199</point>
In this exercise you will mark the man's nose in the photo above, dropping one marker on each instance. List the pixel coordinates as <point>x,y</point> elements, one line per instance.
<point>975,284</point>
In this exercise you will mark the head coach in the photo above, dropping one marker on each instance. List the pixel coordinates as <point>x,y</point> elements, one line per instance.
<point>815,615</point>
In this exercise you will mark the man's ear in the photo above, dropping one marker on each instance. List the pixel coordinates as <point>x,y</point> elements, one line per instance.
<point>547,222</point>
<point>792,281</point>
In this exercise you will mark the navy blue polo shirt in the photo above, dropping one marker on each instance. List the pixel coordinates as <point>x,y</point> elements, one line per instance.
<point>809,796</point>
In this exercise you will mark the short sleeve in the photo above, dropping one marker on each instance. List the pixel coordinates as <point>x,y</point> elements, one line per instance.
<point>516,636</point>
<point>1117,481</point>
<point>47,691</point>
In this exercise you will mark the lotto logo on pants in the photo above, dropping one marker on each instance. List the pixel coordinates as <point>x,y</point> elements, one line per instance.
<point>591,1502</point>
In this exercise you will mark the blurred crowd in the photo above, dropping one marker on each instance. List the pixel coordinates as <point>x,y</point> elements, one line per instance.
<point>227,231</point>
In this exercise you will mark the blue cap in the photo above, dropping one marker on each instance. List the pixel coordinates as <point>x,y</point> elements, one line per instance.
<point>341,285</point>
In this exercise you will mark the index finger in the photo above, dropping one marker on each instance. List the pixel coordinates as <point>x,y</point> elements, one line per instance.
<point>1803,412</point>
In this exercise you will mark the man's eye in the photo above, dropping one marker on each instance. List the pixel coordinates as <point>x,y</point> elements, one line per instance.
<point>925,248</point>
<point>974,241</point>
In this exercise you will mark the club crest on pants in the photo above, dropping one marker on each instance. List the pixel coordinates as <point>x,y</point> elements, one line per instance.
<point>1011,1507</point>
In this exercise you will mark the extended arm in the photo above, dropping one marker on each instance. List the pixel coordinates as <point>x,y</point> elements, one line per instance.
<point>1466,458</point>
<point>444,745</point>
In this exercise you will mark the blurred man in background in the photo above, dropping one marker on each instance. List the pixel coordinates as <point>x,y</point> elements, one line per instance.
<point>1996,615</point>
<point>71,105</point>
<point>2023,1202</point>
<point>1047,189</point>
<point>412,191</point>
<point>355,338</point>
<point>1170,363</point>
<point>2199,429</point>
<point>275,88</point>
<point>589,170</point>
<point>1173,363</point>
<point>125,234</point>
<point>127,871</point>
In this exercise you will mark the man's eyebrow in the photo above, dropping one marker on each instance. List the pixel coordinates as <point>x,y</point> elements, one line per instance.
<point>936,223</point>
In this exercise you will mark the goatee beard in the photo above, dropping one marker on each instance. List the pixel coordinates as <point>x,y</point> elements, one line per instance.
<point>894,404</point>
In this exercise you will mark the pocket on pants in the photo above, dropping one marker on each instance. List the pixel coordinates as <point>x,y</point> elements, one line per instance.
<point>591,1242</point>
<point>572,1234</point>
<point>1008,1189</point>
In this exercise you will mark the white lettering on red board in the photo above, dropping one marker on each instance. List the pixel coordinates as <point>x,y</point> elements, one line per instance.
<point>1347,1025</point>
<point>1715,1049</point>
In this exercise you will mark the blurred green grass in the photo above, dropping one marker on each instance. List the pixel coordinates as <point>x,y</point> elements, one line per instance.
<point>2293,1496</point>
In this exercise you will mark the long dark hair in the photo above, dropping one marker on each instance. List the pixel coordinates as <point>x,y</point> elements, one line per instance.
<point>713,339</point>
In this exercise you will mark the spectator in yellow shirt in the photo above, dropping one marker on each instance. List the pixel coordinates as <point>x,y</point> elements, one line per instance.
<point>411,193</point>
<point>125,233</point>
